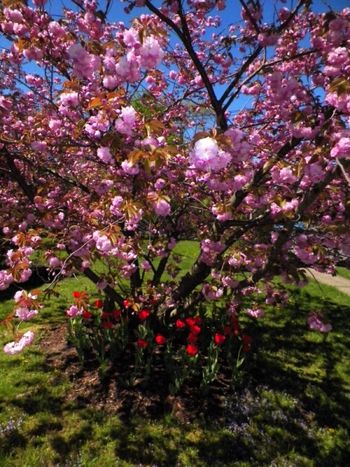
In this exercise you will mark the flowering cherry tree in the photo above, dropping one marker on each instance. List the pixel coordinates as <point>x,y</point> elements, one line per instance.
<point>119,141</point>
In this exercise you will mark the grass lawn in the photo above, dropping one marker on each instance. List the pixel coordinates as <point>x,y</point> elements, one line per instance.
<point>343,272</point>
<point>290,406</point>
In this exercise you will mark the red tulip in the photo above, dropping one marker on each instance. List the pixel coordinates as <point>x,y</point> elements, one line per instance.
<point>195,329</point>
<point>106,315</point>
<point>116,314</point>
<point>219,339</point>
<point>192,350</point>
<point>144,314</point>
<point>107,325</point>
<point>180,324</point>
<point>192,338</point>
<point>247,343</point>
<point>141,343</point>
<point>160,340</point>
<point>86,314</point>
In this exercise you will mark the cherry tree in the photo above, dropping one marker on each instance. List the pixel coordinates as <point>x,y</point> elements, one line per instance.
<point>119,141</point>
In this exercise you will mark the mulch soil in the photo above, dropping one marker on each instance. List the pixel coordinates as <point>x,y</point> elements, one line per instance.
<point>113,393</point>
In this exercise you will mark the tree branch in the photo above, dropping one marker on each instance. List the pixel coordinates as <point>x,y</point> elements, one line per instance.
<point>250,16</point>
<point>185,38</point>
<point>28,190</point>
<point>255,54</point>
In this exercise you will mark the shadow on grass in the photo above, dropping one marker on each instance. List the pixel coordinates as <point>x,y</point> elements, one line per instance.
<point>291,408</point>
<point>313,367</point>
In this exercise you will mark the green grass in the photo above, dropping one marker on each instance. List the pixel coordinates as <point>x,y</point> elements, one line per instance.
<point>343,272</point>
<point>290,407</point>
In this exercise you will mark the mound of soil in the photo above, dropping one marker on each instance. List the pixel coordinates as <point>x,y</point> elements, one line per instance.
<point>114,392</point>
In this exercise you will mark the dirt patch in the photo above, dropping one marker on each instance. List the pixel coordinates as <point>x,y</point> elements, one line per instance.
<point>115,393</point>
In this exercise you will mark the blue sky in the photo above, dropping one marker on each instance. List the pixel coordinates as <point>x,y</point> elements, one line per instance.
<point>230,15</point>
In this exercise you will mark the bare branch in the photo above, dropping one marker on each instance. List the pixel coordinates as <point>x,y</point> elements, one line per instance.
<point>342,169</point>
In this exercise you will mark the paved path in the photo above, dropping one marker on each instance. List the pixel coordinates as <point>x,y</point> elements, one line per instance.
<point>339,282</point>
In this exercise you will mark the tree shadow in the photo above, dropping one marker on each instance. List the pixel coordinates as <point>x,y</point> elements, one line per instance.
<point>313,368</point>
<point>40,276</point>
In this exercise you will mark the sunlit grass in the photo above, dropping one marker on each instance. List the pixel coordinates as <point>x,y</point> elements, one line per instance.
<point>290,405</point>
<point>343,272</point>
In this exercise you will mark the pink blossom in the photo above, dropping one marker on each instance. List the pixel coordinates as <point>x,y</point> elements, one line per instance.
<point>39,146</point>
<point>211,292</point>
<point>127,120</point>
<point>255,312</point>
<point>338,56</point>
<point>109,63</point>
<point>85,64</point>
<point>151,53</point>
<point>146,265</point>
<point>103,243</point>
<point>74,311</point>
<point>54,262</point>
<point>290,206</point>
<point>24,275</point>
<point>131,38</point>
<point>110,82</point>
<point>128,68</point>
<point>20,295</point>
<point>210,251</point>
<point>240,147</point>
<point>162,207</point>
<point>237,260</point>
<point>13,15</point>
<point>207,156</point>
<point>227,281</point>
<point>239,181</point>
<point>24,314</point>
<point>5,104</point>
<point>315,323</point>
<point>15,347</point>
<point>104,154</point>
<point>159,184</point>
<point>305,254</point>
<point>284,175</point>
<point>221,214</point>
<point>54,124</point>
<point>342,148</point>
<point>56,29</point>
<point>267,39</point>
<point>6,279</point>
<point>69,99</point>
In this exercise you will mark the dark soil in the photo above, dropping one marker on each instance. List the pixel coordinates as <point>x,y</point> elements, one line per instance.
<point>114,392</point>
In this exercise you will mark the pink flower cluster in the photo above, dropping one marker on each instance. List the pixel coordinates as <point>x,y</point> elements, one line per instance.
<point>240,147</point>
<point>74,311</point>
<point>15,347</point>
<point>255,312</point>
<point>207,156</point>
<point>126,122</point>
<point>84,64</point>
<point>26,303</point>
<point>210,251</point>
<point>316,323</point>
<point>341,148</point>
<point>6,279</point>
